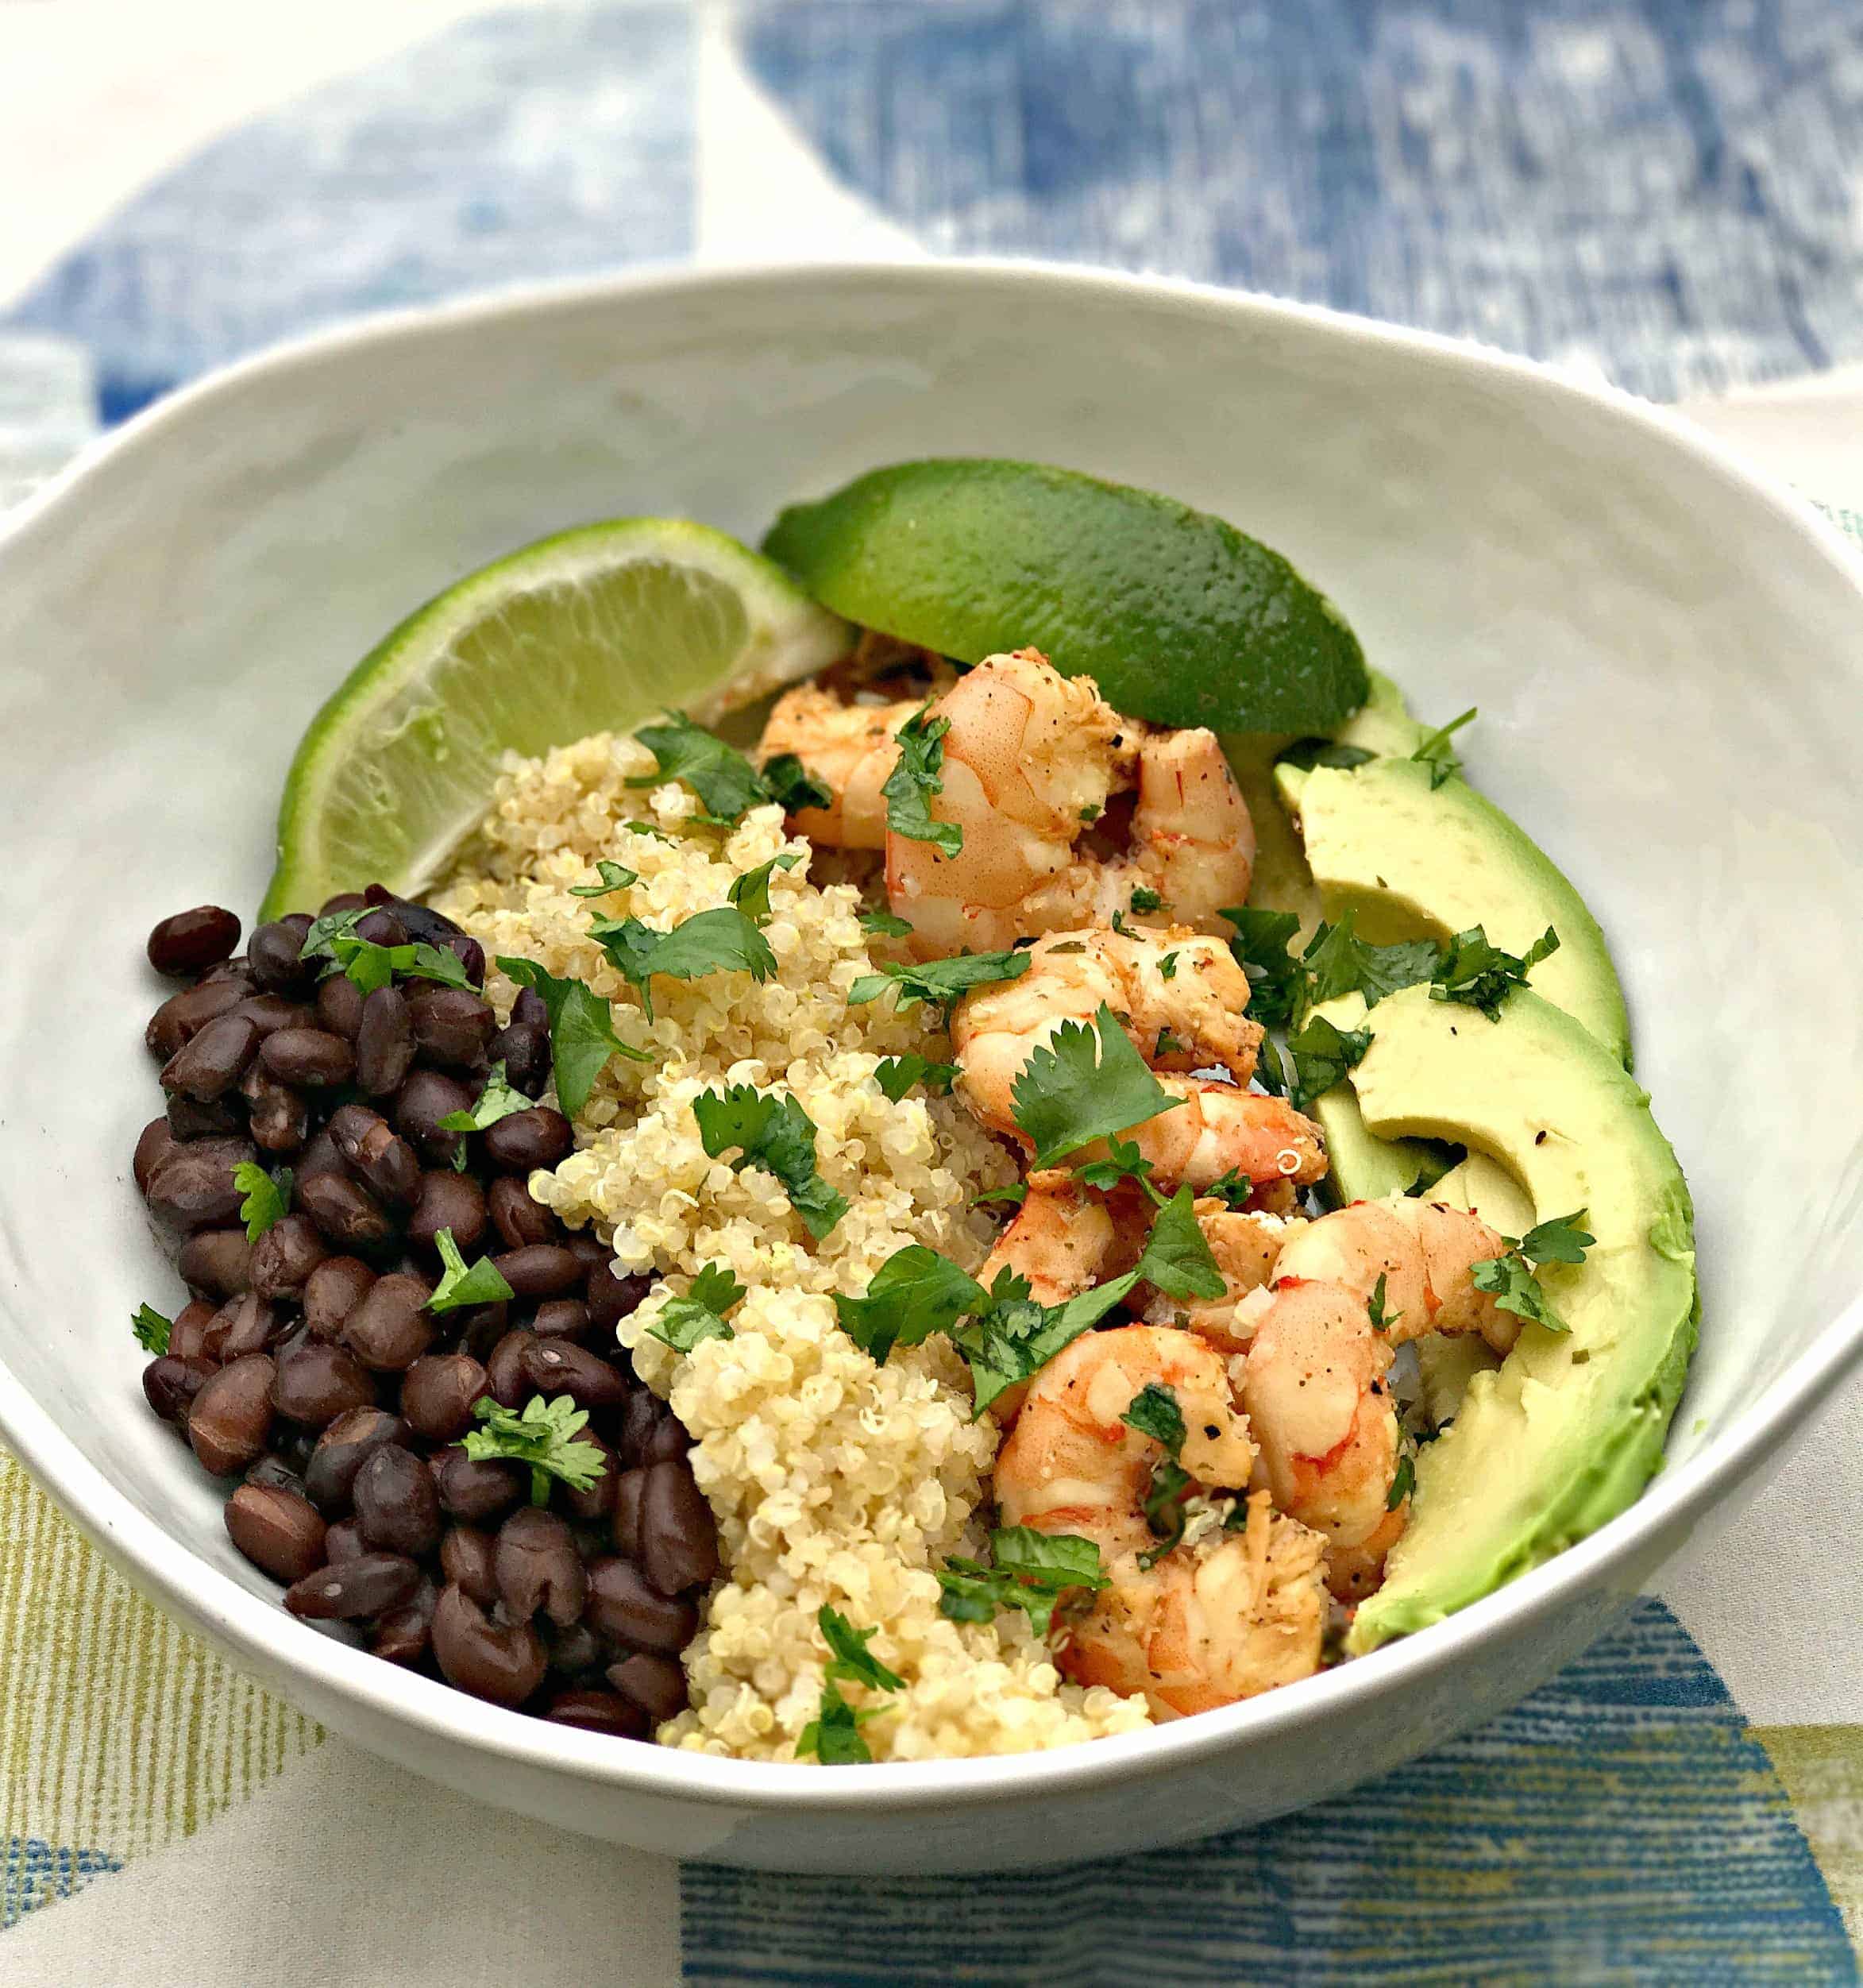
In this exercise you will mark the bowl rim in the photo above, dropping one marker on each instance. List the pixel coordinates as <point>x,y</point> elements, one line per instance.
<point>251,1625</point>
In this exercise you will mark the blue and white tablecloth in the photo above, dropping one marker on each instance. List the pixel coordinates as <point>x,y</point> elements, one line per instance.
<point>1668,193</point>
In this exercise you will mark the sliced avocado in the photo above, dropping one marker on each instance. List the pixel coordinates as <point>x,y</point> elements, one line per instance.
<point>1360,1166</point>
<point>1569,1429</point>
<point>1382,723</point>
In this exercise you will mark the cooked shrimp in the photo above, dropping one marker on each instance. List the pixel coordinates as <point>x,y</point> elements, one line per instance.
<point>1193,1019</point>
<point>1208,1623</point>
<point>1314,1379</point>
<point>1030,762</point>
<point>1059,1240</point>
<point>1216,1129</point>
<point>850,747</point>
<point>1245,1246</point>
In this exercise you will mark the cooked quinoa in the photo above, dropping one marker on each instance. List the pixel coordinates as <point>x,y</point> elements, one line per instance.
<point>833,1481</point>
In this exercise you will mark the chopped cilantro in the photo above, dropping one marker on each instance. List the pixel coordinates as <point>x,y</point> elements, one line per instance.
<point>1177,1258</point>
<point>1402,1480</point>
<point>707,942</point>
<point>853,1660</point>
<point>1338,962</point>
<point>833,1736</point>
<point>792,787</point>
<point>1124,1161</point>
<point>896,1076</point>
<point>1146,900</point>
<point>915,777</point>
<point>913,1293</point>
<point>647,828</point>
<point>150,1329</point>
<point>751,892</point>
<point>1481,975</point>
<point>1234,1189</point>
<point>543,1436</point>
<point>1510,1281</point>
<point>722,777</point>
<point>1260,948</point>
<point>1081,1084</point>
<point>1310,753</point>
<point>613,876</point>
<point>1322,1055</point>
<point>1015,1195</point>
<point>1434,752</point>
<point>885,924</point>
<point>1167,966</point>
<point>582,1035</point>
<point>777,1135</point>
<point>484,1284</point>
<point>1154,1412</point>
<point>267,1197</point>
<point>1013,1339</point>
<point>1562,1239</point>
<point>699,1314</point>
<point>1033,1571</point>
<point>1271,1071</point>
<point>498,1100</point>
<point>1380,1319</point>
<point>1118,923</point>
<point>937,981</point>
<point>1091,813</point>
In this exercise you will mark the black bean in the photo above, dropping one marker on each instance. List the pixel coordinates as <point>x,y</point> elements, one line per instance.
<point>520,1221</point>
<point>232,1415</point>
<point>320,1155</point>
<point>470,954</point>
<point>448,1200</point>
<point>381,927</point>
<point>389,1329</point>
<point>376,1153</point>
<point>268,1013</point>
<point>193,1186</point>
<point>278,1117</point>
<point>678,1534</point>
<point>528,1140</point>
<point>192,941</point>
<point>595,1711</point>
<point>450,1026</point>
<point>436,1395</point>
<point>591,1508</point>
<point>171,1382</point>
<point>344,1542</point>
<point>345,1211</point>
<point>339,1006</point>
<point>384,1044</point>
<point>669,1443</point>
<point>613,1298</point>
<point>480,1327</point>
<point>561,1366</point>
<point>344,1446</point>
<point>562,1318</point>
<point>524,1051</point>
<point>273,951</point>
<point>508,1369</point>
<point>403,1635</point>
<point>308,1057</point>
<point>539,1270</point>
<point>589,1249</point>
<point>210,1063</point>
<point>181,1015</point>
<point>396,1504</point>
<point>641,1418</point>
<point>623,1607</point>
<point>370,1584</point>
<point>343,900</point>
<point>187,1338</point>
<point>503,1664</point>
<point>630,1487</point>
<point>430,927</point>
<point>316,1382</point>
<point>189,1118</point>
<point>468,1558</point>
<point>243,1325</point>
<point>216,1263</point>
<point>285,1256</point>
<point>332,1292</point>
<point>656,1683</point>
<point>477,1491</point>
<point>153,1145</point>
<point>280,1532</point>
<point>530,1007</point>
<point>427,1097</point>
<point>536,1567</point>
<point>277,1469</point>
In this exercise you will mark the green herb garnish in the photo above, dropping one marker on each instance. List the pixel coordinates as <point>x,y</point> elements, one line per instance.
<point>751,892</point>
<point>483,1284</point>
<point>792,787</point>
<point>1154,1412</point>
<point>1481,975</point>
<point>709,942</point>
<point>1434,752</point>
<point>1379,1319</point>
<point>1308,753</point>
<point>896,1076</point>
<point>1338,962</point>
<point>613,876</point>
<point>1260,948</point>
<point>1177,1258</point>
<point>722,777</point>
<point>582,1035</point>
<point>1032,1570</point>
<point>498,1100</point>
<point>1404,1477</point>
<point>267,1197</point>
<point>937,981</point>
<point>699,1314</point>
<point>916,776</point>
<point>1510,1280</point>
<point>1322,1055</point>
<point>1145,899</point>
<point>150,1329</point>
<point>833,1736</point>
<point>885,924</point>
<point>775,1134</point>
<point>1081,1084</point>
<point>543,1437</point>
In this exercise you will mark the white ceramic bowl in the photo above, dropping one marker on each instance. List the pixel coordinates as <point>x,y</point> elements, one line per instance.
<point>1664,650</point>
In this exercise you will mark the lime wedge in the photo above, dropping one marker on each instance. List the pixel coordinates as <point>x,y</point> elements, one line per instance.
<point>1178,617</point>
<point>594,629</point>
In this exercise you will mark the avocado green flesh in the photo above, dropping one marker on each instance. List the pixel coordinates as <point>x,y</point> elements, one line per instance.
<point>1569,1429</point>
<point>1361,1167</point>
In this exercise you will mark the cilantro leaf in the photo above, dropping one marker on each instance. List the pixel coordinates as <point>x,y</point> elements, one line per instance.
<point>1167,966</point>
<point>699,1314</point>
<point>648,828</point>
<point>543,1436</point>
<point>916,776</point>
<point>777,1135</point>
<point>707,942</point>
<point>1260,948</point>
<point>1338,962</point>
<point>792,787</point>
<point>1511,1283</point>
<point>484,1284</point>
<point>1153,1412</point>
<point>1124,1161</point>
<point>896,1076</point>
<point>1234,1189</point>
<point>1033,1570</point>
<point>1308,753</point>
<point>582,1035</point>
<point>1177,1258</point>
<point>1014,1195</point>
<point>320,940</point>
<point>885,924</point>
<point>751,892</point>
<point>267,1197</point>
<point>722,777</point>
<point>1322,1055</point>
<point>852,1661</point>
<point>1271,1071</point>
<point>913,1293</point>
<point>833,1736</point>
<point>1434,752</point>
<point>1564,1239</point>
<point>939,982</point>
<point>1481,975</point>
<point>1081,1084</point>
<point>498,1100</point>
<point>150,1329</point>
<point>1379,1319</point>
<point>1403,1479</point>
<point>1145,899</point>
<point>613,876</point>
<point>1015,1337</point>
<point>333,939</point>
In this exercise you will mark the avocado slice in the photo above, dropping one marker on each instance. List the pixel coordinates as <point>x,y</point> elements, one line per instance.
<point>1566,1433</point>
